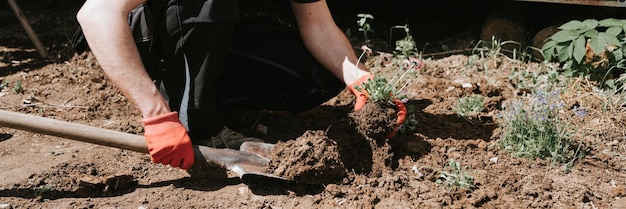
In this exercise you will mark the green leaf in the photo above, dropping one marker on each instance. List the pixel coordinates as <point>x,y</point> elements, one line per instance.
<point>614,31</point>
<point>365,16</point>
<point>599,44</point>
<point>579,50</point>
<point>610,22</point>
<point>572,25</point>
<point>564,35</point>
<point>590,23</point>
<point>618,55</point>
<point>548,49</point>
<point>583,30</point>
<point>560,46</point>
<point>566,53</point>
<point>548,44</point>
<point>568,72</point>
<point>569,65</point>
<point>591,33</point>
<point>610,40</point>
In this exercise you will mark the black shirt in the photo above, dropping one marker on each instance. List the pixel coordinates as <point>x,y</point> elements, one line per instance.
<point>197,11</point>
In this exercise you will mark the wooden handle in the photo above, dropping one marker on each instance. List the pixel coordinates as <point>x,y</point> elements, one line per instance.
<point>43,52</point>
<point>242,163</point>
<point>73,131</point>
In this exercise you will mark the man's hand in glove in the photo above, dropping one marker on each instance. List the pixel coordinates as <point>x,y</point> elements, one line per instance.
<point>168,142</point>
<point>362,97</point>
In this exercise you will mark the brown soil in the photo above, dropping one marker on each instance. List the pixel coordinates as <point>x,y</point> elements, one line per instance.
<point>39,171</point>
<point>312,158</point>
<point>375,120</point>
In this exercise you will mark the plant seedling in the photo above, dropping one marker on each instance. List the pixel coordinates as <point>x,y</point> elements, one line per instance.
<point>18,88</point>
<point>456,176</point>
<point>469,105</point>
<point>364,26</point>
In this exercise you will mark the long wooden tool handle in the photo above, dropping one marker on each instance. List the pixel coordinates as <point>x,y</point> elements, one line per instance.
<point>228,157</point>
<point>73,131</point>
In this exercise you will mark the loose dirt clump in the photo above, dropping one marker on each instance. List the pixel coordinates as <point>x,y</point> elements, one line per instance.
<point>312,158</point>
<point>373,122</point>
<point>375,119</point>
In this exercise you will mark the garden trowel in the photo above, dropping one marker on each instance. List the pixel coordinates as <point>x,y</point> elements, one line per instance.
<point>249,166</point>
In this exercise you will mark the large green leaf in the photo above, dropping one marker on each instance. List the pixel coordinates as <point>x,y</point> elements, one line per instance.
<point>579,50</point>
<point>614,30</point>
<point>548,49</point>
<point>548,44</point>
<point>591,33</point>
<point>564,35</point>
<point>610,40</point>
<point>610,22</point>
<point>591,23</point>
<point>583,30</point>
<point>566,53</point>
<point>597,44</point>
<point>572,25</point>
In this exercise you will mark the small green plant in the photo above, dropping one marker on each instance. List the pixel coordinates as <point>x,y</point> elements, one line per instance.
<point>364,25</point>
<point>382,90</point>
<point>469,105</point>
<point>18,88</point>
<point>527,80</point>
<point>379,89</point>
<point>486,54</point>
<point>532,129</point>
<point>43,189</point>
<point>589,48</point>
<point>492,49</point>
<point>3,84</point>
<point>456,177</point>
<point>406,46</point>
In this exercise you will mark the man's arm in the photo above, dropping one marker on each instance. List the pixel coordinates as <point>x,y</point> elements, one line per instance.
<point>328,44</point>
<point>105,25</point>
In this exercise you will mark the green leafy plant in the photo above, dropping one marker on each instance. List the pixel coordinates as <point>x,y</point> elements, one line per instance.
<point>469,105</point>
<point>38,191</point>
<point>589,47</point>
<point>491,49</point>
<point>533,129</point>
<point>3,84</point>
<point>364,25</point>
<point>384,90</point>
<point>547,78</point>
<point>379,89</point>
<point>18,88</point>
<point>456,177</point>
<point>487,54</point>
<point>406,46</point>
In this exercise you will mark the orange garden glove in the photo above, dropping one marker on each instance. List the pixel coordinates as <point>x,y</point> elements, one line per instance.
<point>401,112</point>
<point>362,96</point>
<point>168,142</point>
